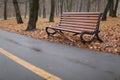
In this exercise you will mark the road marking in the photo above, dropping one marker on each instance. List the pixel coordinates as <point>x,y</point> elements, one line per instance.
<point>36,70</point>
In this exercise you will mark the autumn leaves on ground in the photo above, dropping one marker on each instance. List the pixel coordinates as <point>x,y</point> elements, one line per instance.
<point>110,34</point>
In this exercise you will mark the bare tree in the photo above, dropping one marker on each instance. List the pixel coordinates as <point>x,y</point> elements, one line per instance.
<point>88,5</point>
<point>98,3</point>
<point>40,8</point>
<point>33,14</point>
<point>17,11</point>
<point>113,8</point>
<point>104,17</point>
<point>69,5</point>
<point>26,8</point>
<point>61,6</point>
<point>44,9</point>
<point>5,9</point>
<point>51,19</point>
<point>80,9</point>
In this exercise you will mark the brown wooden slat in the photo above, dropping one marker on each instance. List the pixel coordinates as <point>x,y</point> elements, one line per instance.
<point>60,28</point>
<point>84,21</point>
<point>69,30</point>
<point>81,13</point>
<point>72,30</point>
<point>68,26</point>
<point>77,26</point>
<point>80,23</point>
<point>80,18</point>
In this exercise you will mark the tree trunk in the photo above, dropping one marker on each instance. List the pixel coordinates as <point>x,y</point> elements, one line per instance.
<point>88,6</point>
<point>17,11</point>
<point>57,8</point>
<point>61,6</point>
<point>5,9</point>
<point>69,5</point>
<point>44,9</point>
<point>104,17</point>
<point>77,6</point>
<point>26,8</point>
<point>111,8</point>
<point>81,3</point>
<point>115,9</point>
<point>51,19</point>
<point>99,3</point>
<point>40,9</point>
<point>33,14</point>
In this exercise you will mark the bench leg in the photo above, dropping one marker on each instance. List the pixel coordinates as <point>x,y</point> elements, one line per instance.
<point>75,34</point>
<point>50,33</point>
<point>95,37</point>
<point>98,38</point>
<point>62,34</point>
<point>56,31</point>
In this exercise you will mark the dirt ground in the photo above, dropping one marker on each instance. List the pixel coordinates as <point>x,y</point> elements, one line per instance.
<point>110,34</point>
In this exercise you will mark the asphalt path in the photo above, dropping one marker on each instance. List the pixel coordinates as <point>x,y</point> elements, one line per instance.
<point>56,60</point>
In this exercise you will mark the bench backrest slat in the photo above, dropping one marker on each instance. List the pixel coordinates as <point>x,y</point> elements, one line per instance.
<point>81,13</point>
<point>79,18</point>
<point>79,21</point>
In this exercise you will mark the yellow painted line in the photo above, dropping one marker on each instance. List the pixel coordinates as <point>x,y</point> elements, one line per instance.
<point>36,70</point>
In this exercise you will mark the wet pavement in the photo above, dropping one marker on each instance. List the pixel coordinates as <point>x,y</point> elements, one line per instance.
<point>66,62</point>
<point>9,70</point>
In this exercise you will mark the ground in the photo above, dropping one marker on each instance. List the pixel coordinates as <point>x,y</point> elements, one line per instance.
<point>109,33</point>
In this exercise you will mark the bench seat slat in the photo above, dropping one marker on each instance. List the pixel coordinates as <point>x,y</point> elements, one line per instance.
<point>77,26</point>
<point>75,30</point>
<point>64,29</point>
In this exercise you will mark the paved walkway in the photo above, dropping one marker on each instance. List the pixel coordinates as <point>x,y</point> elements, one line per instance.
<point>63,62</point>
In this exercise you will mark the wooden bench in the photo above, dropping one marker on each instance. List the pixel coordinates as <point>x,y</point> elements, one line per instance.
<point>78,23</point>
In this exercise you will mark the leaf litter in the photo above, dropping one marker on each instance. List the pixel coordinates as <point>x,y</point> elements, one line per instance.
<point>109,33</point>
